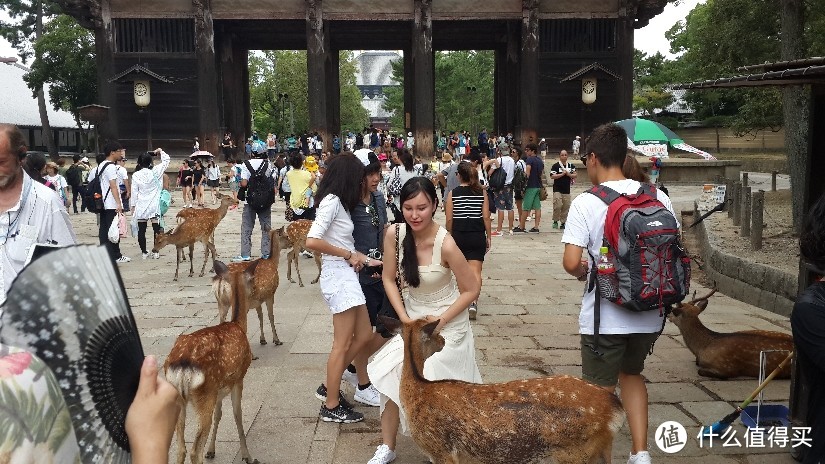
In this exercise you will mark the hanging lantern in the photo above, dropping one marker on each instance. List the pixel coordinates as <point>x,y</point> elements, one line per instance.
<point>588,90</point>
<point>142,90</point>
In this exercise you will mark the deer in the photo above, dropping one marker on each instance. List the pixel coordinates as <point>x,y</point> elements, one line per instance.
<point>294,235</point>
<point>561,417</point>
<point>264,284</point>
<point>214,214</point>
<point>208,364</point>
<point>728,355</point>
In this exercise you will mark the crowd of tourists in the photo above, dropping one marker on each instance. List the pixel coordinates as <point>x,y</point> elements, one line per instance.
<point>384,254</point>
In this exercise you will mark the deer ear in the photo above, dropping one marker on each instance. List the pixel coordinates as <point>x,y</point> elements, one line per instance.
<point>702,304</point>
<point>430,328</point>
<point>393,325</point>
<point>221,270</point>
<point>250,270</point>
<point>677,310</point>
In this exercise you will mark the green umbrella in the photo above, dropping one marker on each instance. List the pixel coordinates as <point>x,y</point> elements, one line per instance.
<point>645,132</point>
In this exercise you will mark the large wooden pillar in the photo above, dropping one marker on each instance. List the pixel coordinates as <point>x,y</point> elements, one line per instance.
<point>529,73</point>
<point>507,82</point>
<point>318,64</point>
<point>208,125</point>
<point>333,97</point>
<point>423,64</point>
<point>106,95</point>
<point>409,92</point>
<point>243,61</point>
<point>624,43</point>
<point>232,62</point>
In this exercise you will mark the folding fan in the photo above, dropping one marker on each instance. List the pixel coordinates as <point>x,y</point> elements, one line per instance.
<point>70,309</point>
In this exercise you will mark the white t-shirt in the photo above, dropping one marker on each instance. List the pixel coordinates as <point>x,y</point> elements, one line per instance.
<point>509,167</point>
<point>107,173</point>
<point>256,163</point>
<point>585,228</point>
<point>333,225</point>
<point>285,182</point>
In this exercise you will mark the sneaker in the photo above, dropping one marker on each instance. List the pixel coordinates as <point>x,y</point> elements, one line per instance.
<point>340,414</point>
<point>383,455</point>
<point>321,394</point>
<point>145,255</point>
<point>123,259</point>
<point>519,230</point>
<point>350,377</point>
<point>642,457</point>
<point>238,259</point>
<point>496,233</point>
<point>369,396</point>
<point>473,311</point>
<point>264,256</point>
<point>307,254</point>
<point>555,224</point>
<point>155,255</point>
<point>534,230</point>
<point>561,226</point>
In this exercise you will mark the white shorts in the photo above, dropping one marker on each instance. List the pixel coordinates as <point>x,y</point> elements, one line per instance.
<point>340,287</point>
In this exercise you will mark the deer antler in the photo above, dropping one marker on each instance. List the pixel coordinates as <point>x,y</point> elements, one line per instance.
<point>695,300</point>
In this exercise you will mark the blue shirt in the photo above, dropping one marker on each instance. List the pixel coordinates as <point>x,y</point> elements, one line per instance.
<point>536,168</point>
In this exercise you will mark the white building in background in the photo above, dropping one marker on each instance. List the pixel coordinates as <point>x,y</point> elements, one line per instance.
<point>19,107</point>
<point>374,73</point>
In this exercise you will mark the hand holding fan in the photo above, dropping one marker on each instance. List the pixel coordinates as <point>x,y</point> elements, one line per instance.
<point>71,311</point>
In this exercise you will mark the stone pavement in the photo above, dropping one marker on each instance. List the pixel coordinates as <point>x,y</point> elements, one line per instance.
<point>527,327</point>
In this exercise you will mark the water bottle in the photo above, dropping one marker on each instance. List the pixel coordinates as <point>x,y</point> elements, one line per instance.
<point>606,275</point>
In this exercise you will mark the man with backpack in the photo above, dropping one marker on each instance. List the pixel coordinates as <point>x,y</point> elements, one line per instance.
<point>501,184</point>
<point>103,196</point>
<point>258,178</point>
<point>74,177</point>
<point>615,339</point>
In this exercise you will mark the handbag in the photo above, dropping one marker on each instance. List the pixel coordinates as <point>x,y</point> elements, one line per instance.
<point>121,225</point>
<point>394,188</point>
<point>543,188</point>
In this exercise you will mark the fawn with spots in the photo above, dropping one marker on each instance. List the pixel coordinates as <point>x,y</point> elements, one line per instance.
<point>728,355</point>
<point>294,236</point>
<point>563,418</point>
<point>215,215</point>
<point>264,282</point>
<point>208,364</point>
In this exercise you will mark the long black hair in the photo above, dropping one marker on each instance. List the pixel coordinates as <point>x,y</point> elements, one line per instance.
<point>144,161</point>
<point>812,238</point>
<point>342,179</point>
<point>406,159</point>
<point>409,265</point>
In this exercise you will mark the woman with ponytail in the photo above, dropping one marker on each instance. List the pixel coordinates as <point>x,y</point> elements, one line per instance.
<point>468,221</point>
<point>440,287</point>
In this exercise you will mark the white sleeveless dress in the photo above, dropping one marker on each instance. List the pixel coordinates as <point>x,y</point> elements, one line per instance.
<point>457,360</point>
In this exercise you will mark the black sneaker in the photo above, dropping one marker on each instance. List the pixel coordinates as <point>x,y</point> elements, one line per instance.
<point>340,414</point>
<point>534,230</point>
<point>321,394</point>
<point>519,230</point>
<point>561,226</point>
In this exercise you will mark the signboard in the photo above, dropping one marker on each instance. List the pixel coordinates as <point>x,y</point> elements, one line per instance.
<point>655,150</point>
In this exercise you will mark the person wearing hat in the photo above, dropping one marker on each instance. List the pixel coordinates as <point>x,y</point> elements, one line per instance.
<point>443,165</point>
<point>577,143</point>
<point>410,141</point>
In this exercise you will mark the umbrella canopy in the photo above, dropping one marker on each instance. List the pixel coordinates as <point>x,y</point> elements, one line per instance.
<point>201,154</point>
<point>646,132</point>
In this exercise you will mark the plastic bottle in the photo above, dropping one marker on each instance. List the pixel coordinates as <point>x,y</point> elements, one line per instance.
<point>605,263</point>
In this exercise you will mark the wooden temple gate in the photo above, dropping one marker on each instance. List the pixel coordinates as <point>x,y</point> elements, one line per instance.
<point>202,45</point>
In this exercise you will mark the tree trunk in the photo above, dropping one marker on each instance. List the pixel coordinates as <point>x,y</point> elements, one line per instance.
<point>794,107</point>
<point>48,137</point>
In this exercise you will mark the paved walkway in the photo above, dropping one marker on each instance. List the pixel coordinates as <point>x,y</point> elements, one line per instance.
<point>527,327</point>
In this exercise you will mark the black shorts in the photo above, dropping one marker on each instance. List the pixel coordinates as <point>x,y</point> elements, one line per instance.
<point>213,183</point>
<point>378,304</point>
<point>472,244</point>
<point>186,183</point>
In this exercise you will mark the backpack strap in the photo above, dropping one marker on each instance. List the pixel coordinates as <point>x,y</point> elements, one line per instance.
<point>593,282</point>
<point>605,194</point>
<point>97,178</point>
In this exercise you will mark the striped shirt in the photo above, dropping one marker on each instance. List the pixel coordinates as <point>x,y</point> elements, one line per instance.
<point>467,210</point>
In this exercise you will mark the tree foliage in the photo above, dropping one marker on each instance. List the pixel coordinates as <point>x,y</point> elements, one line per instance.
<point>463,91</point>
<point>651,75</point>
<point>21,30</point>
<point>65,60</point>
<point>273,73</point>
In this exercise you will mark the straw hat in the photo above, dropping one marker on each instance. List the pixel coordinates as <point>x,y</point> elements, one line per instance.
<point>446,157</point>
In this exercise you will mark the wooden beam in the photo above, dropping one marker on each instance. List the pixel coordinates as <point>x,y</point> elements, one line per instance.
<point>208,129</point>
<point>624,45</point>
<point>423,63</point>
<point>529,73</point>
<point>232,61</point>
<point>106,91</point>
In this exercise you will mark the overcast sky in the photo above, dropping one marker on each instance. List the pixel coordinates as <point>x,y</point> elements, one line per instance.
<point>649,39</point>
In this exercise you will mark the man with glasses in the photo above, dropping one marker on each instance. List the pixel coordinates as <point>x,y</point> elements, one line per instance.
<point>108,174</point>
<point>532,202</point>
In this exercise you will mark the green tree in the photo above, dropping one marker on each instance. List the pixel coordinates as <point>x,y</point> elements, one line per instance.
<point>25,27</point>
<point>274,73</point>
<point>651,75</point>
<point>65,60</point>
<point>463,91</point>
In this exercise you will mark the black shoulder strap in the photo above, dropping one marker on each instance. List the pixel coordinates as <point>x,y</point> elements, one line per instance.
<point>605,194</point>
<point>647,188</point>
<point>97,178</point>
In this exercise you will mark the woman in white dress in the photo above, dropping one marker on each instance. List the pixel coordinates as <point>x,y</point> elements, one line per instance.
<point>147,183</point>
<point>440,286</point>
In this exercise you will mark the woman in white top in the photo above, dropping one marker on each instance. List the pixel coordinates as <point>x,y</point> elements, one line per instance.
<point>213,179</point>
<point>404,172</point>
<point>147,183</point>
<point>331,235</point>
<point>57,181</point>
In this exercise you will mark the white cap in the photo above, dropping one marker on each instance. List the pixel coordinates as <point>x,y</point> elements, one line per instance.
<point>409,134</point>
<point>84,160</point>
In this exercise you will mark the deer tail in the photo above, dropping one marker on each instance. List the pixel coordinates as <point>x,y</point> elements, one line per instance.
<point>185,377</point>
